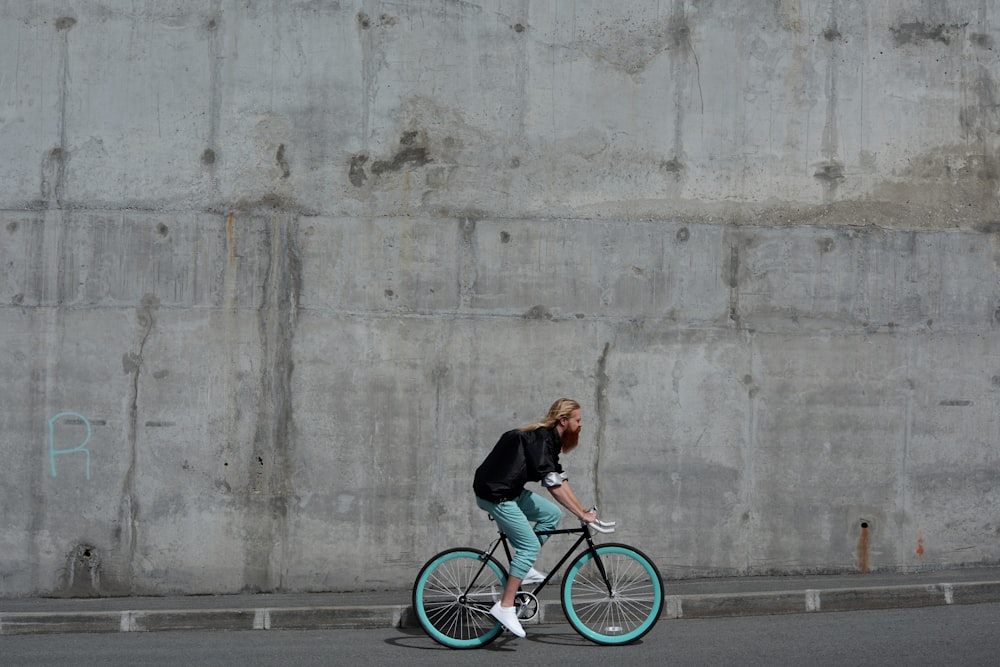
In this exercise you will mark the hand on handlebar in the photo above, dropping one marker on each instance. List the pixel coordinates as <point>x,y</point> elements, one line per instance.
<point>598,525</point>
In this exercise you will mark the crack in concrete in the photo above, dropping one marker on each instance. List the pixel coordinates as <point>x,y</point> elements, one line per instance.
<point>600,408</point>
<point>128,511</point>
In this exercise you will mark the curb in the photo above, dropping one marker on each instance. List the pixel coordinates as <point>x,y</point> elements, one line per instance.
<point>831,599</point>
<point>718,605</point>
<point>265,618</point>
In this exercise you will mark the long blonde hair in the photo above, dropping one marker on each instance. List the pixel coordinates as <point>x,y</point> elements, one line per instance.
<point>563,408</point>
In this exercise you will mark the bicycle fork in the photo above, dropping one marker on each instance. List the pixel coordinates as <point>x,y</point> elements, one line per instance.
<point>600,567</point>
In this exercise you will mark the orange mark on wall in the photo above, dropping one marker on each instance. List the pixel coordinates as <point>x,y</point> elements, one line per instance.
<point>231,236</point>
<point>863,548</point>
<point>920,546</point>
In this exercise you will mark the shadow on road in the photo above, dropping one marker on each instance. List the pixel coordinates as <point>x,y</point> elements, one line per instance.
<point>417,639</point>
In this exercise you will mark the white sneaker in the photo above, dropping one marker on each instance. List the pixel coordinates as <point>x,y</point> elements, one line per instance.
<point>534,577</point>
<point>508,617</point>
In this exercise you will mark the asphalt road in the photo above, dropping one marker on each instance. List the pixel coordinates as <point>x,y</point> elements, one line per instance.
<point>966,635</point>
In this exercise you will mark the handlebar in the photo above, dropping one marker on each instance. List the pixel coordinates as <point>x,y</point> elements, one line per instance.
<point>601,526</point>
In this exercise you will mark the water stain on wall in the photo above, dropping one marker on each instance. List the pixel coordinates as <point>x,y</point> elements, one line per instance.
<point>982,40</point>
<point>981,119</point>
<point>356,170</point>
<point>412,153</point>
<point>918,31</point>
<point>282,162</point>
<point>268,479</point>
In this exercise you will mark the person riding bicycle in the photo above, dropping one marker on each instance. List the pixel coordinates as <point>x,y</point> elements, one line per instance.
<point>529,454</point>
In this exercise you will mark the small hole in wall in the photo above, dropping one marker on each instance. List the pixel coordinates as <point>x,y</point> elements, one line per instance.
<point>864,524</point>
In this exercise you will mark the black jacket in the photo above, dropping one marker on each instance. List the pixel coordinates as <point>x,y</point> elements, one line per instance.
<point>517,458</point>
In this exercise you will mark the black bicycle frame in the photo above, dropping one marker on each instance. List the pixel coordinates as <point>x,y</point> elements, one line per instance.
<point>585,535</point>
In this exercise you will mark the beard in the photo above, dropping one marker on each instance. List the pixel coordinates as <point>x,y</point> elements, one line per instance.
<point>569,440</point>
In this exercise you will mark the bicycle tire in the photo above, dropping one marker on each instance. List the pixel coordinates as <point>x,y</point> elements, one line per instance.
<point>448,614</point>
<point>629,612</point>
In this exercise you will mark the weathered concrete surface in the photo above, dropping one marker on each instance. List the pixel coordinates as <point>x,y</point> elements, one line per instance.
<point>275,275</point>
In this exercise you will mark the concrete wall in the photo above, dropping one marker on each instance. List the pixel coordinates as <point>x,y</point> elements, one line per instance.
<point>275,275</point>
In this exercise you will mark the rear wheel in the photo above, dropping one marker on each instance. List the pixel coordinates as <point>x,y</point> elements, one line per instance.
<point>453,594</point>
<point>622,614</point>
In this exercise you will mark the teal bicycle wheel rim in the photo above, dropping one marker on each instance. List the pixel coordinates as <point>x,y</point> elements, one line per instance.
<point>418,600</point>
<point>642,628</point>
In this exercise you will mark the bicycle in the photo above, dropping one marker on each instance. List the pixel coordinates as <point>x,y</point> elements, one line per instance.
<point>611,594</point>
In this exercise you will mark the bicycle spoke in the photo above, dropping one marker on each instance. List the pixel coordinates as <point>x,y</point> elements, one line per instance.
<point>453,595</point>
<point>627,611</point>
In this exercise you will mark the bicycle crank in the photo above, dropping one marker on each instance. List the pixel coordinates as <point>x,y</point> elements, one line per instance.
<point>526,605</point>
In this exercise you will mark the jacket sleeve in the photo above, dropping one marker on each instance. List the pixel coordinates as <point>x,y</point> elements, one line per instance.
<point>554,479</point>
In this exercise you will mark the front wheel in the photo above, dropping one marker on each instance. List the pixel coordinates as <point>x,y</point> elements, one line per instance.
<point>616,610</point>
<point>453,594</point>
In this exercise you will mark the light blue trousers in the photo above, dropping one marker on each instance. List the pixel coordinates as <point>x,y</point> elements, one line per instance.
<point>514,517</point>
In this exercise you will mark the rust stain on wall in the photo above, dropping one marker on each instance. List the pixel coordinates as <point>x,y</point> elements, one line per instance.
<point>863,548</point>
